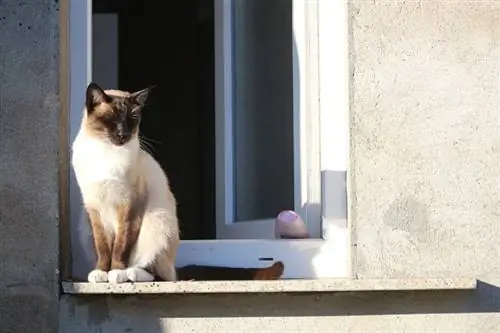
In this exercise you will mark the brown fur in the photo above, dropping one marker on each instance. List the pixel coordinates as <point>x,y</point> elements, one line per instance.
<point>164,271</point>
<point>129,225</point>
<point>270,273</point>
<point>102,243</point>
<point>94,122</point>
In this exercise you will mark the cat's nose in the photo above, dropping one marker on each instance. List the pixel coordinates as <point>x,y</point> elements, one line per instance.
<point>121,137</point>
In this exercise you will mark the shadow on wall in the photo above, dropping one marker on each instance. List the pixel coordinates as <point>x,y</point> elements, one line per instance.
<point>408,215</point>
<point>157,314</point>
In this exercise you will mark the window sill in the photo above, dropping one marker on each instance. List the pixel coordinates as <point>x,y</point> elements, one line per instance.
<point>278,286</point>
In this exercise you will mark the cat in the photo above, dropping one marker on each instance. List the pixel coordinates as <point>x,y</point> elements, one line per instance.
<point>127,196</point>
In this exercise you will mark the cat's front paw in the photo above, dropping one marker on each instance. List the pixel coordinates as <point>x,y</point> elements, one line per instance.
<point>98,276</point>
<point>117,276</point>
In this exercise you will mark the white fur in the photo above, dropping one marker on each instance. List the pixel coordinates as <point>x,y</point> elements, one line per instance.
<point>103,172</point>
<point>97,276</point>
<point>117,276</point>
<point>136,274</point>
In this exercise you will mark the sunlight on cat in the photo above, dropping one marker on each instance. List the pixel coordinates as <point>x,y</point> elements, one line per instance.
<point>117,276</point>
<point>98,276</point>
<point>136,274</point>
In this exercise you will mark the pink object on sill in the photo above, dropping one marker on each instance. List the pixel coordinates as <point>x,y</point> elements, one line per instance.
<point>289,224</point>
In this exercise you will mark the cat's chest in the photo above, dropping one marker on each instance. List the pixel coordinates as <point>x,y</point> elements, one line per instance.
<point>98,162</point>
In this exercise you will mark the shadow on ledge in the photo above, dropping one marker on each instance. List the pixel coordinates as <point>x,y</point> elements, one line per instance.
<point>484,299</point>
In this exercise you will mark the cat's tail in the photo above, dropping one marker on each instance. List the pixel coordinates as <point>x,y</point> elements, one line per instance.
<point>207,273</point>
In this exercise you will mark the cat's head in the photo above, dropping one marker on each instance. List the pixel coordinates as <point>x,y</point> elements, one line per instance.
<point>113,114</point>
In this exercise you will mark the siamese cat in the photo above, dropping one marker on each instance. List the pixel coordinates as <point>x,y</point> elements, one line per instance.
<point>126,194</point>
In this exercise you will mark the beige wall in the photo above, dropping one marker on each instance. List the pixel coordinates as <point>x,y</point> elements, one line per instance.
<point>425,164</point>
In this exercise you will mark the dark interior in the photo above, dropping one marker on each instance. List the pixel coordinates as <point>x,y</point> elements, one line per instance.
<point>170,44</point>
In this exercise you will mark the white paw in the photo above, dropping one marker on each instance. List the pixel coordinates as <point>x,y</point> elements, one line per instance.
<point>117,276</point>
<point>136,274</point>
<point>98,276</point>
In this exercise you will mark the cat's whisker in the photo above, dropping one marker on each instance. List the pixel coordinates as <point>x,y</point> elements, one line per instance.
<point>149,140</point>
<point>148,148</point>
<point>146,140</point>
<point>148,143</point>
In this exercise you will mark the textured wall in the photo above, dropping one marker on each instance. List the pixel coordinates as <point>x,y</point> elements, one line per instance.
<point>377,312</point>
<point>425,146</point>
<point>29,106</point>
<point>425,164</point>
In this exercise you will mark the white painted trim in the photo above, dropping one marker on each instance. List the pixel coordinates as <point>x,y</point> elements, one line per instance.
<point>334,84</point>
<point>80,40</point>
<point>305,259</point>
<point>334,111</point>
<point>306,113</point>
<point>80,34</point>
<point>299,103</point>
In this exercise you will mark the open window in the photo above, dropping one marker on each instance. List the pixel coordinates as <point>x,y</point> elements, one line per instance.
<point>241,119</point>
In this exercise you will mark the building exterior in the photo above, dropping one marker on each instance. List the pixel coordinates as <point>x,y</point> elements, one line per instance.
<point>422,182</point>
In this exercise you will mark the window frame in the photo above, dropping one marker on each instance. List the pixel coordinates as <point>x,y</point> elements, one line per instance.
<point>317,47</point>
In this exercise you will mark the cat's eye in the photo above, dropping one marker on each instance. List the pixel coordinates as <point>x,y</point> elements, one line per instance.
<point>134,116</point>
<point>108,117</point>
<point>136,112</point>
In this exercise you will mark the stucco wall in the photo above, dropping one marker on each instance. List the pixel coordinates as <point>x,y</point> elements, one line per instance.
<point>425,143</point>
<point>425,147</point>
<point>437,312</point>
<point>425,164</point>
<point>29,111</point>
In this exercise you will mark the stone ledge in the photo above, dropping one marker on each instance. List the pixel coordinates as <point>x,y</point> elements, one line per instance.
<point>279,286</point>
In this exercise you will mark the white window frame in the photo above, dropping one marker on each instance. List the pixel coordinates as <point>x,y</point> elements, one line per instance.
<point>321,104</point>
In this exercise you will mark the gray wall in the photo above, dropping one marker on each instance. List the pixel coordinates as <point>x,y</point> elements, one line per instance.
<point>29,119</point>
<point>425,145</point>
<point>424,166</point>
<point>436,312</point>
<point>425,148</point>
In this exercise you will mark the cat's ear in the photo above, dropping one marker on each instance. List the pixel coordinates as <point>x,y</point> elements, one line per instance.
<point>140,97</point>
<point>94,96</point>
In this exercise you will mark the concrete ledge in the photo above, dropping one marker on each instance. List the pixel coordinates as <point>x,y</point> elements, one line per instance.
<point>280,286</point>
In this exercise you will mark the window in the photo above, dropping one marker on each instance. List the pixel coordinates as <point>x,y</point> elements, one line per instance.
<point>280,126</point>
